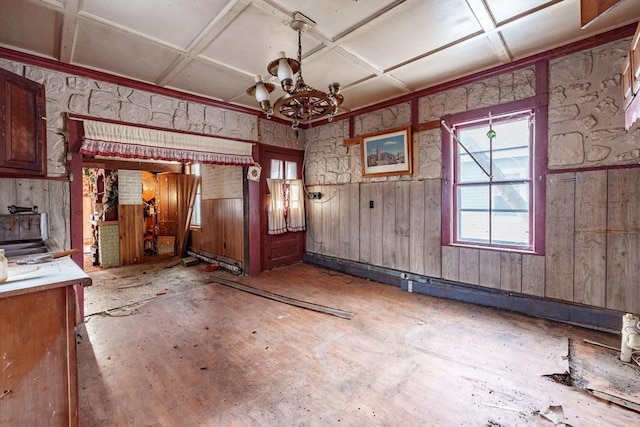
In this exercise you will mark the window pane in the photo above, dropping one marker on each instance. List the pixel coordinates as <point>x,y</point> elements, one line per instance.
<point>195,217</point>
<point>511,150</point>
<point>510,214</point>
<point>276,169</point>
<point>476,141</point>
<point>291,170</point>
<point>473,213</point>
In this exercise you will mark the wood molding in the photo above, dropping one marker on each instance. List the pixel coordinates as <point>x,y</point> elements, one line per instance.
<point>352,141</point>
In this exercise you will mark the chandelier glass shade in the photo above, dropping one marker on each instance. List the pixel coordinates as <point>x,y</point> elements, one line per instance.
<point>301,103</point>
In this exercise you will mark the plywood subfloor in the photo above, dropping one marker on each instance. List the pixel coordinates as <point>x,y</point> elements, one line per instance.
<point>204,354</point>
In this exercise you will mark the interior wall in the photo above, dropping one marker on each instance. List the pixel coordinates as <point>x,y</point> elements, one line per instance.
<point>222,217</point>
<point>68,93</point>
<point>592,239</point>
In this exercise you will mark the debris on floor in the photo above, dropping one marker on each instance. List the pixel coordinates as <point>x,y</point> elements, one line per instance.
<point>553,413</point>
<point>189,261</point>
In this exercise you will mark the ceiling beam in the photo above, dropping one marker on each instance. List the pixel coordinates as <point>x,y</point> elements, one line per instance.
<point>68,30</point>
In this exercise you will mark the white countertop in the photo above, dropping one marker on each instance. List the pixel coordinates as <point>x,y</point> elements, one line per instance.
<point>37,277</point>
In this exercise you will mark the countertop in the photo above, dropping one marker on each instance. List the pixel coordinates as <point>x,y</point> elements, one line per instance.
<point>25,279</point>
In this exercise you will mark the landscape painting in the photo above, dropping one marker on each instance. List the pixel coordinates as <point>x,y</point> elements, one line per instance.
<point>387,153</point>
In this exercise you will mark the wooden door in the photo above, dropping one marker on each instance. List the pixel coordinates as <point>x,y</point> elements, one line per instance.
<point>286,248</point>
<point>167,204</point>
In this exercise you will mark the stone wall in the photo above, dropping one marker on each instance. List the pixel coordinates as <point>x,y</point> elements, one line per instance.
<point>586,119</point>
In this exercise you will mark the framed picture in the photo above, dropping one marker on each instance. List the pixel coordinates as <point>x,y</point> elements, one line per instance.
<point>387,153</point>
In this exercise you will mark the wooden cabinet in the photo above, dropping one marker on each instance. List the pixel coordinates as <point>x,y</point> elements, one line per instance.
<point>38,379</point>
<point>22,126</point>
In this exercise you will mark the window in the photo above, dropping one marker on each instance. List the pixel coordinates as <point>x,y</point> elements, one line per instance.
<point>493,193</point>
<point>283,169</point>
<point>195,216</point>
<point>286,204</point>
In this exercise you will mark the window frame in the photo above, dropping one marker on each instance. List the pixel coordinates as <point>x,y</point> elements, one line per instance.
<point>538,164</point>
<point>196,169</point>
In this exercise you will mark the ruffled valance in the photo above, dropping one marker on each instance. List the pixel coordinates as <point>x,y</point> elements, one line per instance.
<point>131,142</point>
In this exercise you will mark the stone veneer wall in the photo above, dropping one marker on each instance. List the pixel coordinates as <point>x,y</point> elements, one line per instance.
<point>586,116</point>
<point>109,245</point>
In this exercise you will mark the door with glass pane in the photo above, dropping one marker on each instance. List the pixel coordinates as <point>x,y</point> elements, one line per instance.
<point>283,242</point>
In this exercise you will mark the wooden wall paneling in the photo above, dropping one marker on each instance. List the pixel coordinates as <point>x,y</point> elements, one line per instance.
<point>451,263</point>
<point>623,292</point>
<point>314,222</point>
<point>333,224</point>
<point>354,222</point>
<point>623,240</point>
<point>207,212</point>
<point>231,219</point>
<point>533,275</point>
<point>417,234</point>
<point>58,210</point>
<point>560,236</point>
<point>8,194</point>
<point>321,235</point>
<point>511,271</point>
<point>389,225</point>
<point>433,229</point>
<point>403,218</point>
<point>131,233</point>
<point>365,223</point>
<point>590,263</point>
<point>489,269</point>
<point>377,221</point>
<point>343,221</point>
<point>469,266</point>
<point>33,192</point>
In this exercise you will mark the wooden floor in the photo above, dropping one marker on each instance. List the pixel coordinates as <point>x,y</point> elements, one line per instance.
<point>204,354</point>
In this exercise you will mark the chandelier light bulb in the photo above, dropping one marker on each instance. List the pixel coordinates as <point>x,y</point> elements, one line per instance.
<point>285,73</point>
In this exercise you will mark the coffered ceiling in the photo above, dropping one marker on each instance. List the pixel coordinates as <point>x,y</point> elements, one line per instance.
<point>377,49</point>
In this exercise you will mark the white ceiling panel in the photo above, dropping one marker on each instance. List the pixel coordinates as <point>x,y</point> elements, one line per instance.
<point>239,47</point>
<point>334,17</point>
<point>468,58</point>
<point>210,80</point>
<point>504,10</point>
<point>31,27</point>
<point>330,67</point>
<point>105,48</point>
<point>175,22</point>
<point>426,26</point>
<point>372,91</point>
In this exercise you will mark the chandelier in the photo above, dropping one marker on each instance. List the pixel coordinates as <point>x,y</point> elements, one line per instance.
<point>301,103</point>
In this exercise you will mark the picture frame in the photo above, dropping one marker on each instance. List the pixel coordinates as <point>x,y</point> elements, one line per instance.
<point>386,153</point>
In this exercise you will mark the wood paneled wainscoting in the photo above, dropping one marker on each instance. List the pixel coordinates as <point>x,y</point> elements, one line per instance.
<point>222,230</point>
<point>592,238</point>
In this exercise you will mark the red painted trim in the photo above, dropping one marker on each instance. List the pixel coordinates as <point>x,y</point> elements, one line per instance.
<point>593,168</point>
<point>75,194</point>
<point>81,117</point>
<point>540,151</point>
<point>255,237</point>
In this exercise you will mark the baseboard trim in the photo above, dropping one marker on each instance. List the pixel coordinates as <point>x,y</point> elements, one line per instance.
<point>546,308</point>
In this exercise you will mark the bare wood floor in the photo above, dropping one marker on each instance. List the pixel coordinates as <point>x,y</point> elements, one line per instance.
<point>203,354</point>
